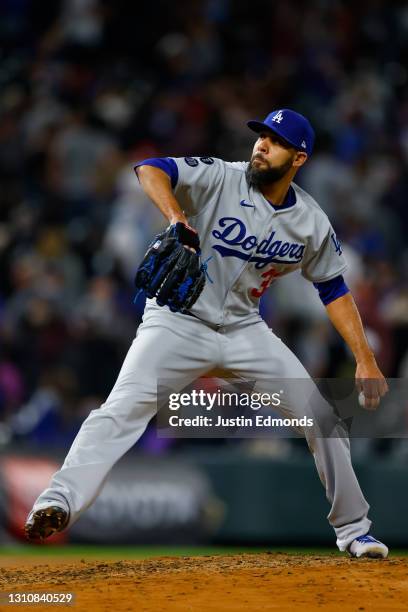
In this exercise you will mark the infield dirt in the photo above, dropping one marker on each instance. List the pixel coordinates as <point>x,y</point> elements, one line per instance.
<point>249,582</point>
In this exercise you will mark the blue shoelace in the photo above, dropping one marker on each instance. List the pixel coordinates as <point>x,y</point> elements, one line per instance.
<point>204,267</point>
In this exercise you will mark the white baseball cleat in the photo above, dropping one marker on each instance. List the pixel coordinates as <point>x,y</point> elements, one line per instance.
<point>367,546</point>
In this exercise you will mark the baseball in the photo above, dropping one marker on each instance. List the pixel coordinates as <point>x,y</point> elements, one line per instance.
<point>361,399</point>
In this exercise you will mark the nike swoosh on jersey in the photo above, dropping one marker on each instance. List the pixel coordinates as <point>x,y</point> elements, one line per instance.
<point>247,204</point>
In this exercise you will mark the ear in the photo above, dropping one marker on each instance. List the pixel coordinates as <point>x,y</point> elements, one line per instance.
<point>299,159</point>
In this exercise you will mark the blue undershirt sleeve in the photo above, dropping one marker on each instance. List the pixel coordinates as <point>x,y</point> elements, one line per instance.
<point>332,289</point>
<point>166,164</point>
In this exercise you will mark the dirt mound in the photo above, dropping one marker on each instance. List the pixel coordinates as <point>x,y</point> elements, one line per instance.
<point>274,581</point>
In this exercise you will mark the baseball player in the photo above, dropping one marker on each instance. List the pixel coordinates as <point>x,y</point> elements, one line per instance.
<point>253,224</point>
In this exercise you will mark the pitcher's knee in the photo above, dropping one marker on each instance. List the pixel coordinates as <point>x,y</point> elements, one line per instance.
<point>131,406</point>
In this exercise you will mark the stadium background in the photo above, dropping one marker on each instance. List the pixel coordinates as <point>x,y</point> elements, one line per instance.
<point>87,88</point>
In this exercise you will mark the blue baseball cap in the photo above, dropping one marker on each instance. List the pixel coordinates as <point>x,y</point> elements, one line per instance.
<point>289,125</point>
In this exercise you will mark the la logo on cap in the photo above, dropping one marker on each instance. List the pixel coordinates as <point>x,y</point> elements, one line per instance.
<point>303,144</point>
<point>278,117</point>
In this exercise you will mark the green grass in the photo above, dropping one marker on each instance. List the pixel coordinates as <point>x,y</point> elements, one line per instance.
<point>147,552</point>
<point>144,552</point>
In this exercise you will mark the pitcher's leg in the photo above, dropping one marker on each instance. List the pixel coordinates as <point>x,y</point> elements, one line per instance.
<point>348,514</point>
<point>257,354</point>
<point>163,349</point>
<point>106,434</point>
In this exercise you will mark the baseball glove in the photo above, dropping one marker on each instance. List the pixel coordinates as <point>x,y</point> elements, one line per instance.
<point>171,272</point>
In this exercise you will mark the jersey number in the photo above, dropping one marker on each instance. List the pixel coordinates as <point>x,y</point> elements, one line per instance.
<point>269,276</point>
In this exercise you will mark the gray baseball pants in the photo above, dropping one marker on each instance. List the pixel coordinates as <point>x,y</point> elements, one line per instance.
<point>183,348</point>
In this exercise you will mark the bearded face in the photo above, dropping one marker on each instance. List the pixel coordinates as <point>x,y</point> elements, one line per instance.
<point>261,172</point>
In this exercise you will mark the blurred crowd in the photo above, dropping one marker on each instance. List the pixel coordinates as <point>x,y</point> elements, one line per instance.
<point>87,87</point>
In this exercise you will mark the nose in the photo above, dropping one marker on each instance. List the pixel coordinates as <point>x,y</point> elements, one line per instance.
<point>262,145</point>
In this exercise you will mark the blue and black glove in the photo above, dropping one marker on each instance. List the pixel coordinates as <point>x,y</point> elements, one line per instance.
<point>170,271</point>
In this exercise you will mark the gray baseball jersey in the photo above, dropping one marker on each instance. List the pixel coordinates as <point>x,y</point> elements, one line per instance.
<point>246,242</point>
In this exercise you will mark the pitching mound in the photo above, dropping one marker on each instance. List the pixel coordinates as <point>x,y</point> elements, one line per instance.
<point>249,582</point>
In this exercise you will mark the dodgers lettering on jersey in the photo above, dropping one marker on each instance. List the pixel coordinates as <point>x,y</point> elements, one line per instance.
<point>266,251</point>
<point>246,243</point>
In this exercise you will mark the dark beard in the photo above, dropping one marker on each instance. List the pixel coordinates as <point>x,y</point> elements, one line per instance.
<point>258,178</point>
